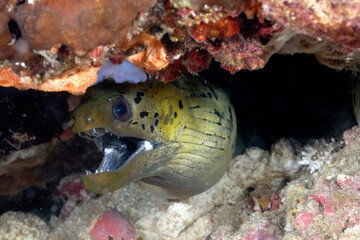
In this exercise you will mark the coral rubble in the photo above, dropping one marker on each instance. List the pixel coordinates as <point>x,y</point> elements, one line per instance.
<point>16,225</point>
<point>59,45</point>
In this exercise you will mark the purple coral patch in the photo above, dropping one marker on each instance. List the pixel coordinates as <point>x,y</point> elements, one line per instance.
<point>124,72</point>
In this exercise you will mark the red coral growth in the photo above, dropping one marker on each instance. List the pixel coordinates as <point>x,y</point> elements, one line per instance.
<point>275,202</point>
<point>223,28</point>
<point>72,189</point>
<point>196,60</point>
<point>171,72</point>
<point>112,225</point>
<point>239,54</point>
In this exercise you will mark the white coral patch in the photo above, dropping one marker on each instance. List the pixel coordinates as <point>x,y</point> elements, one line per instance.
<point>124,72</point>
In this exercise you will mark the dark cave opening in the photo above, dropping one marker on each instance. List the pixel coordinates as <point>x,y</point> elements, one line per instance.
<point>293,96</point>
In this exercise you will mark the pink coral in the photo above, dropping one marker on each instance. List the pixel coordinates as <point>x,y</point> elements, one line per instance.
<point>253,234</point>
<point>303,220</point>
<point>334,204</point>
<point>112,225</point>
<point>72,189</point>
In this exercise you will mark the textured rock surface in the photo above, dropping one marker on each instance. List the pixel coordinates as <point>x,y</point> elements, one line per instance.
<point>16,225</point>
<point>251,201</point>
<point>59,45</point>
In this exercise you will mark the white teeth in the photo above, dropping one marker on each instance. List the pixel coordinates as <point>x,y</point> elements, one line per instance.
<point>107,131</point>
<point>94,131</point>
<point>148,145</point>
<point>87,172</point>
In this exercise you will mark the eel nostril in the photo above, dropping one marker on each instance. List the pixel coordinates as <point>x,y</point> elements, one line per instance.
<point>89,119</point>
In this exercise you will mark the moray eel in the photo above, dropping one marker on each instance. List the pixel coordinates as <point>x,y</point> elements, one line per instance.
<point>356,99</point>
<point>177,138</point>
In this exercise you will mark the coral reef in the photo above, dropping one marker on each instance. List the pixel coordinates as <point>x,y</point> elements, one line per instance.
<point>293,191</point>
<point>193,218</point>
<point>333,21</point>
<point>59,45</point>
<point>264,195</point>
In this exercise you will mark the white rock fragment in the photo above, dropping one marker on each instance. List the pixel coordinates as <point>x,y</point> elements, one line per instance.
<point>314,156</point>
<point>175,219</point>
<point>352,233</point>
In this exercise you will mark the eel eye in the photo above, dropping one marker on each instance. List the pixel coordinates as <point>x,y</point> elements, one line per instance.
<point>121,109</point>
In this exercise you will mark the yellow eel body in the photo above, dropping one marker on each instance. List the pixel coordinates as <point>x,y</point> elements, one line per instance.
<point>356,99</point>
<point>185,133</point>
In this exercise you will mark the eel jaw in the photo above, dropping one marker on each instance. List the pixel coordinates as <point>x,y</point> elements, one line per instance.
<point>117,150</point>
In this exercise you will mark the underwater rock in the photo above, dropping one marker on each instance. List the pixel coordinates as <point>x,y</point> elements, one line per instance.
<point>329,202</point>
<point>17,225</point>
<point>45,24</point>
<point>18,170</point>
<point>61,49</point>
<point>331,21</point>
<point>321,205</point>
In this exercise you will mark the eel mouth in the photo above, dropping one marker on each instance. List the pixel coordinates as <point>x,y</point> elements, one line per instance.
<point>117,150</point>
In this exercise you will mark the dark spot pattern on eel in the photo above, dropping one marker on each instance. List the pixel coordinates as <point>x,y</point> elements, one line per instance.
<point>138,97</point>
<point>181,106</point>
<point>144,114</point>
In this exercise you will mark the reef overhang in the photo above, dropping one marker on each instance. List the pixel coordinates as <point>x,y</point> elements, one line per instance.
<point>59,45</point>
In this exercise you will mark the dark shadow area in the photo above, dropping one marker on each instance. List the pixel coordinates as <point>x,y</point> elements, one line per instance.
<point>293,96</point>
